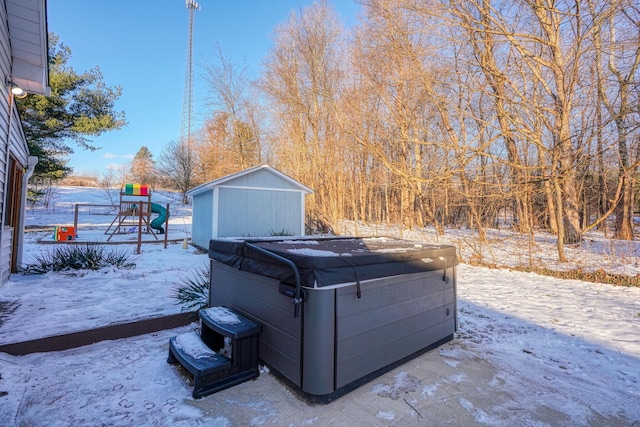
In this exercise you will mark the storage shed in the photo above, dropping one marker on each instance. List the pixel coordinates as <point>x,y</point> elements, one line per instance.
<point>256,202</point>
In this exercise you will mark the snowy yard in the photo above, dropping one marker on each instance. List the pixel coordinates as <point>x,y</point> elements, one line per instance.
<point>531,350</point>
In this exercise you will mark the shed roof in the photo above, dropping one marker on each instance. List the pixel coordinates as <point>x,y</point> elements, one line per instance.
<point>225,179</point>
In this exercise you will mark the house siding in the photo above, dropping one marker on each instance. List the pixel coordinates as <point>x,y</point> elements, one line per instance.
<point>6,233</point>
<point>5,260</point>
<point>12,139</point>
<point>5,68</point>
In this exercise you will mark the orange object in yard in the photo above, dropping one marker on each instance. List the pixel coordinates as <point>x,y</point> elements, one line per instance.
<point>64,233</point>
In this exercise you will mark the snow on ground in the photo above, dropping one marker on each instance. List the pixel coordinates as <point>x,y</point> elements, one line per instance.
<point>508,248</point>
<point>82,300</point>
<point>531,350</point>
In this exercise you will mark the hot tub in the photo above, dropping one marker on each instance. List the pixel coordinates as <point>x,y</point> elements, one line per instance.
<point>337,312</point>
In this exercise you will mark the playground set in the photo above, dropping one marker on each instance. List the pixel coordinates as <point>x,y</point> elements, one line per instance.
<point>134,216</point>
<point>135,211</point>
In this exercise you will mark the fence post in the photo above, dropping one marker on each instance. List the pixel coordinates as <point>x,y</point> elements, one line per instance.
<point>75,217</point>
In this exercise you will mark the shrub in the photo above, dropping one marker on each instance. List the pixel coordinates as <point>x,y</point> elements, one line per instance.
<point>192,292</point>
<point>282,232</point>
<point>80,257</point>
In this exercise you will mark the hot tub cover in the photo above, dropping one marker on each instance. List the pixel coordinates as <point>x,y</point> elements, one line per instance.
<point>324,262</point>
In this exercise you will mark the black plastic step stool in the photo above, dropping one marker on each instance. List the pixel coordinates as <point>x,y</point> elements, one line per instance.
<point>200,354</point>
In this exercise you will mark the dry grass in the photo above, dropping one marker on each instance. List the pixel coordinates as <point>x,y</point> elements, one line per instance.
<point>597,276</point>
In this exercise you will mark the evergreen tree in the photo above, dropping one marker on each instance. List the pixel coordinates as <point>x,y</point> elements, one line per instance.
<point>80,106</point>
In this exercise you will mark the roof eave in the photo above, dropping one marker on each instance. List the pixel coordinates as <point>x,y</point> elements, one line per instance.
<point>28,36</point>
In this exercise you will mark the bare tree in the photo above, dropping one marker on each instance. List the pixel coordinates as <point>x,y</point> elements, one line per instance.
<point>618,92</point>
<point>301,81</point>
<point>109,183</point>
<point>234,111</point>
<point>177,164</point>
<point>472,21</point>
<point>445,112</point>
<point>390,59</point>
<point>547,42</point>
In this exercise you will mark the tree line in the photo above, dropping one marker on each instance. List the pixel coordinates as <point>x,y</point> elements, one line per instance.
<point>473,113</point>
<point>446,113</point>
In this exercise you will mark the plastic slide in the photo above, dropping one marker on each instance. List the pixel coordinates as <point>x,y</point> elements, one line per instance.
<point>162,217</point>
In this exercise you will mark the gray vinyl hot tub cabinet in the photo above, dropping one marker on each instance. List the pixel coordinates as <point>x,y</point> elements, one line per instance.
<point>337,312</point>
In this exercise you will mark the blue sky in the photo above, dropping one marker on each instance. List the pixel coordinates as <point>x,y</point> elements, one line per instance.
<point>141,45</point>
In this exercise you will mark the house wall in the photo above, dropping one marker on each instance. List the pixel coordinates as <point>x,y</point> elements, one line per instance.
<point>5,68</point>
<point>12,142</point>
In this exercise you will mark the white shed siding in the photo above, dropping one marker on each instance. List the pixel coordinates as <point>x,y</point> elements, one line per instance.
<point>261,178</point>
<point>256,212</point>
<point>201,226</point>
